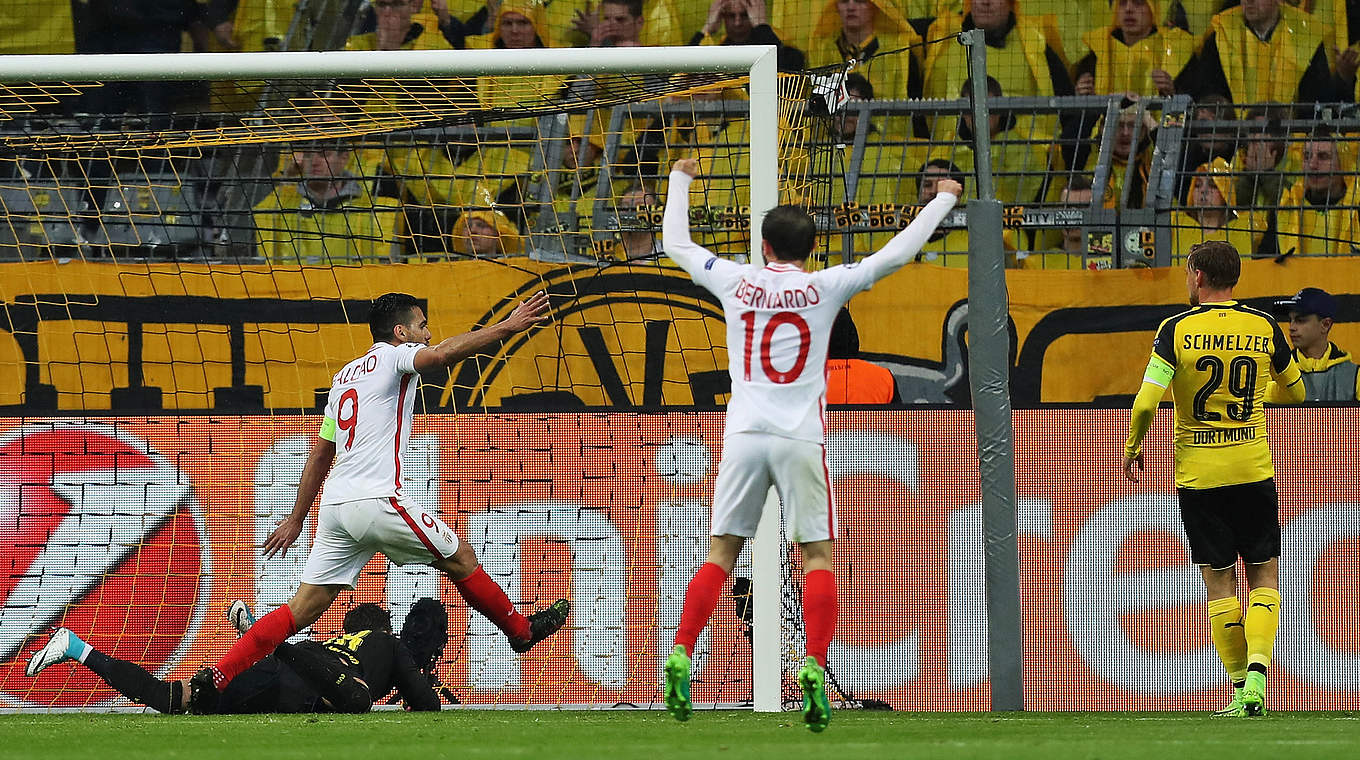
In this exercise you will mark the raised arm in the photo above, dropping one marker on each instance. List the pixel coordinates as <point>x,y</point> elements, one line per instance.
<point>904,246</point>
<point>675,239</point>
<point>453,350</point>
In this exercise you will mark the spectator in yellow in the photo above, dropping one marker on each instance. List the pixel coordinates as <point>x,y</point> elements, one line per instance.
<point>863,30</point>
<point>1021,159</point>
<point>949,247</point>
<point>1321,216</point>
<point>1210,214</point>
<point>1067,22</point>
<point>1071,253</point>
<point>576,184</point>
<point>637,236</point>
<point>1261,163</point>
<point>1134,54</point>
<point>396,30</point>
<point>1127,184</point>
<point>249,25</point>
<point>628,23</point>
<point>486,233</point>
<point>743,22</point>
<point>946,247</point>
<point>519,25</point>
<point>326,216</point>
<point>1263,51</point>
<point>1018,52</point>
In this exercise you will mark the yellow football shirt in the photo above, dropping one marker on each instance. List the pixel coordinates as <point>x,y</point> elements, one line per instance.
<point>1217,359</point>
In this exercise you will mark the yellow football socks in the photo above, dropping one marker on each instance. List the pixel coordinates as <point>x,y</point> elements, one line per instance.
<point>1229,633</point>
<point>1263,618</point>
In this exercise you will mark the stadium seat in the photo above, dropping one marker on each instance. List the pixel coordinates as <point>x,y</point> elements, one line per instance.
<point>40,214</point>
<point>149,211</point>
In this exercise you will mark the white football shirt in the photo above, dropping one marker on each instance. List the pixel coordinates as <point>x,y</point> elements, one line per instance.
<point>779,317</point>
<point>368,416</point>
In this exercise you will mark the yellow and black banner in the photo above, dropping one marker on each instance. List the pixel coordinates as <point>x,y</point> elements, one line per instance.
<point>103,336</point>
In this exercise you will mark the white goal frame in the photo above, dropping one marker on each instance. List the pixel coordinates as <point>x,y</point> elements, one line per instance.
<point>757,61</point>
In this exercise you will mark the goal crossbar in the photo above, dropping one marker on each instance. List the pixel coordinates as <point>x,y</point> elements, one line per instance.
<point>381,63</point>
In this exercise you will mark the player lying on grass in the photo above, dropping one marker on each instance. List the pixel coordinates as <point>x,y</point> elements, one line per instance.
<point>779,318</point>
<point>345,674</point>
<point>358,453</point>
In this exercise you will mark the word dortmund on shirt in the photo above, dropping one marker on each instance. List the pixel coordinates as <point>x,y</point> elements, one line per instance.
<point>1231,435</point>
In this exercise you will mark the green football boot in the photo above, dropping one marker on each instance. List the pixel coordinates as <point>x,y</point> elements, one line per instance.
<point>1235,709</point>
<point>1253,695</point>
<point>677,684</point>
<point>816,708</point>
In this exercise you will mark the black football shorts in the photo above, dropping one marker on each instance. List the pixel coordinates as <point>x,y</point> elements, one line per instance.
<point>1228,522</point>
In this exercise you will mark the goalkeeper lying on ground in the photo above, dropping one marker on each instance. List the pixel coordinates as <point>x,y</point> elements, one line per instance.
<point>345,674</point>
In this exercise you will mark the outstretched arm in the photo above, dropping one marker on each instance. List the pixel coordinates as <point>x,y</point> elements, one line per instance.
<point>313,475</point>
<point>412,683</point>
<point>453,350</point>
<point>906,244</point>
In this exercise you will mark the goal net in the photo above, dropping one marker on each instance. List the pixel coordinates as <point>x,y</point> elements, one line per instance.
<point>185,280</point>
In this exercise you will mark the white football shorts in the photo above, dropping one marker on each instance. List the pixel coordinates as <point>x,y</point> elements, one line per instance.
<point>751,463</point>
<point>350,533</point>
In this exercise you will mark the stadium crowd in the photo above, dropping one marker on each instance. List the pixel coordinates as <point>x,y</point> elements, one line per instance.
<point>1263,157</point>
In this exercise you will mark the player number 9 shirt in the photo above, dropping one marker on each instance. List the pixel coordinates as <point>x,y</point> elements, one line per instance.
<point>368,416</point>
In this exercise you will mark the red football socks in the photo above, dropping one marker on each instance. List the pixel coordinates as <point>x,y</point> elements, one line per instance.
<point>487,597</point>
<point>819,612</point>
<point>268,632</point>
<point>700,599</point>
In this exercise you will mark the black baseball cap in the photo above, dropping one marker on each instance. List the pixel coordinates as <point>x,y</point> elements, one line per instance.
<point>1309,301</point>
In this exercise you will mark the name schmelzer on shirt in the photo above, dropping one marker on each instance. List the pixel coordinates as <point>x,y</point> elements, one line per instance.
<point>1221,342</point>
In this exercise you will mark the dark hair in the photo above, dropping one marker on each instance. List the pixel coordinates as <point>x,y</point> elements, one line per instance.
<point>861,84</point>
<point>950,168</point>
<point>634,6</point>
<point>844,343</point>
<point>1079,182</point>
<point>1322,133</point>
<point>388,311</point>
<point>425,632</point>
<point>789,231</point>
<point>367,617</point>
<point>1218,260</point>
<point>993,88</point>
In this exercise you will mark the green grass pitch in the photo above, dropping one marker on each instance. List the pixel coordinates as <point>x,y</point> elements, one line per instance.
<point>548,735</point>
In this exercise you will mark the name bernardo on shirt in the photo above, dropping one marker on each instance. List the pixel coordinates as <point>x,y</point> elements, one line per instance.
<point>757,297</point>
<point>1221,342</point>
